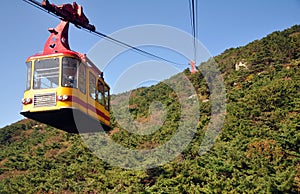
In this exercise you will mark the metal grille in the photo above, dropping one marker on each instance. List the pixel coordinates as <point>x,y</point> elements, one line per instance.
<point>44,100</point>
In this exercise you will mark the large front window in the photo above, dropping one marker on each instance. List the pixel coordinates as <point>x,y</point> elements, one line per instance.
<point>69,72</point>
<point>46,73</point>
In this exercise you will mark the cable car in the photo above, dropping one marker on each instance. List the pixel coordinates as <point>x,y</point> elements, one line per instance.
<point>64,88</point>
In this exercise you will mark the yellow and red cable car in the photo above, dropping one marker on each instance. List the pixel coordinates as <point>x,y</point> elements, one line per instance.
<point>64,88</point>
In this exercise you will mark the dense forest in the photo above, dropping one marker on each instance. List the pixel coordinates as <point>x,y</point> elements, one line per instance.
<point>257,150</point>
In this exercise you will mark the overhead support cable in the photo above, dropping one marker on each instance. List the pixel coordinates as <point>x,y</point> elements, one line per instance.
<point>193,10</point>
<point>100,34</point>
<point>193,17</point>
<point>135,49</point>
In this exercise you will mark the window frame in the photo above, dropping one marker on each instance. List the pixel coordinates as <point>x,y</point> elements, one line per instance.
<point>82,78</point>
<point>107,96</point>
<point>103,92</point>
<point>92,86</point>
<point>29,75</point>
<point>39,77</point>
<point>66,81</point>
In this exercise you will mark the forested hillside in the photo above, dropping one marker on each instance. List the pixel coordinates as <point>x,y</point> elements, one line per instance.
<point>256,152</point>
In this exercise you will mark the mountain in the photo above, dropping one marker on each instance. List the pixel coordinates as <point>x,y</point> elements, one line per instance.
<point>257,150</point>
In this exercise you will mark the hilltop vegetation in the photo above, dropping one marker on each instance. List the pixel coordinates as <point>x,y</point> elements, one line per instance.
<point>256,152</point>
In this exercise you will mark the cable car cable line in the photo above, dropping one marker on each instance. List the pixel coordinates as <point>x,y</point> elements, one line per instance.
<point>196,27</point>
<point>100,34</point>
<point>193,16</point>
<point>140,51</point>
<point>39,6</point>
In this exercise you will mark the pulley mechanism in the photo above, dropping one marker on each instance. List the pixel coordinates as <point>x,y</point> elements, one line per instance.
<point>70,12</point>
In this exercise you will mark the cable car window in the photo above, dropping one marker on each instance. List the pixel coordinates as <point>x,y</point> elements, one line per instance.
<point>46,73</point>
<point>69,72</point>
<point>82,78</point>
<point>92,86</point>
<point>101,98</point>
<point>29,72</point>
<point>107,97</point>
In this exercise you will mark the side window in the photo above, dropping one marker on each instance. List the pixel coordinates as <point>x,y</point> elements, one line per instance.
<point>29,76</point>
<point>69,72</point>
<point>82,78</point>
<point>107,97</point>
<point>103,94</point>
<point>101,98</point>
<point>92,85</point>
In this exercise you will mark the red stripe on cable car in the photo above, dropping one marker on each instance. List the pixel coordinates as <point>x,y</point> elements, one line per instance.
<point>90,107</point>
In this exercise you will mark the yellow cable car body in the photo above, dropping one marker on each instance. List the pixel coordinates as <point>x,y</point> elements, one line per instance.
<point>67,91</point>
<point>64,88</point>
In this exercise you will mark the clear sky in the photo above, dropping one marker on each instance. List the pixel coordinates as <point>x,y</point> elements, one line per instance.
<point>221,25</point>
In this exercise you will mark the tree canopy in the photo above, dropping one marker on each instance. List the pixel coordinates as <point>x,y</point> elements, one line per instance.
<point>257,150</point>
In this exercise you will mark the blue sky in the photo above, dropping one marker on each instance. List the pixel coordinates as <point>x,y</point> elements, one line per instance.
<point>221,25</point>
